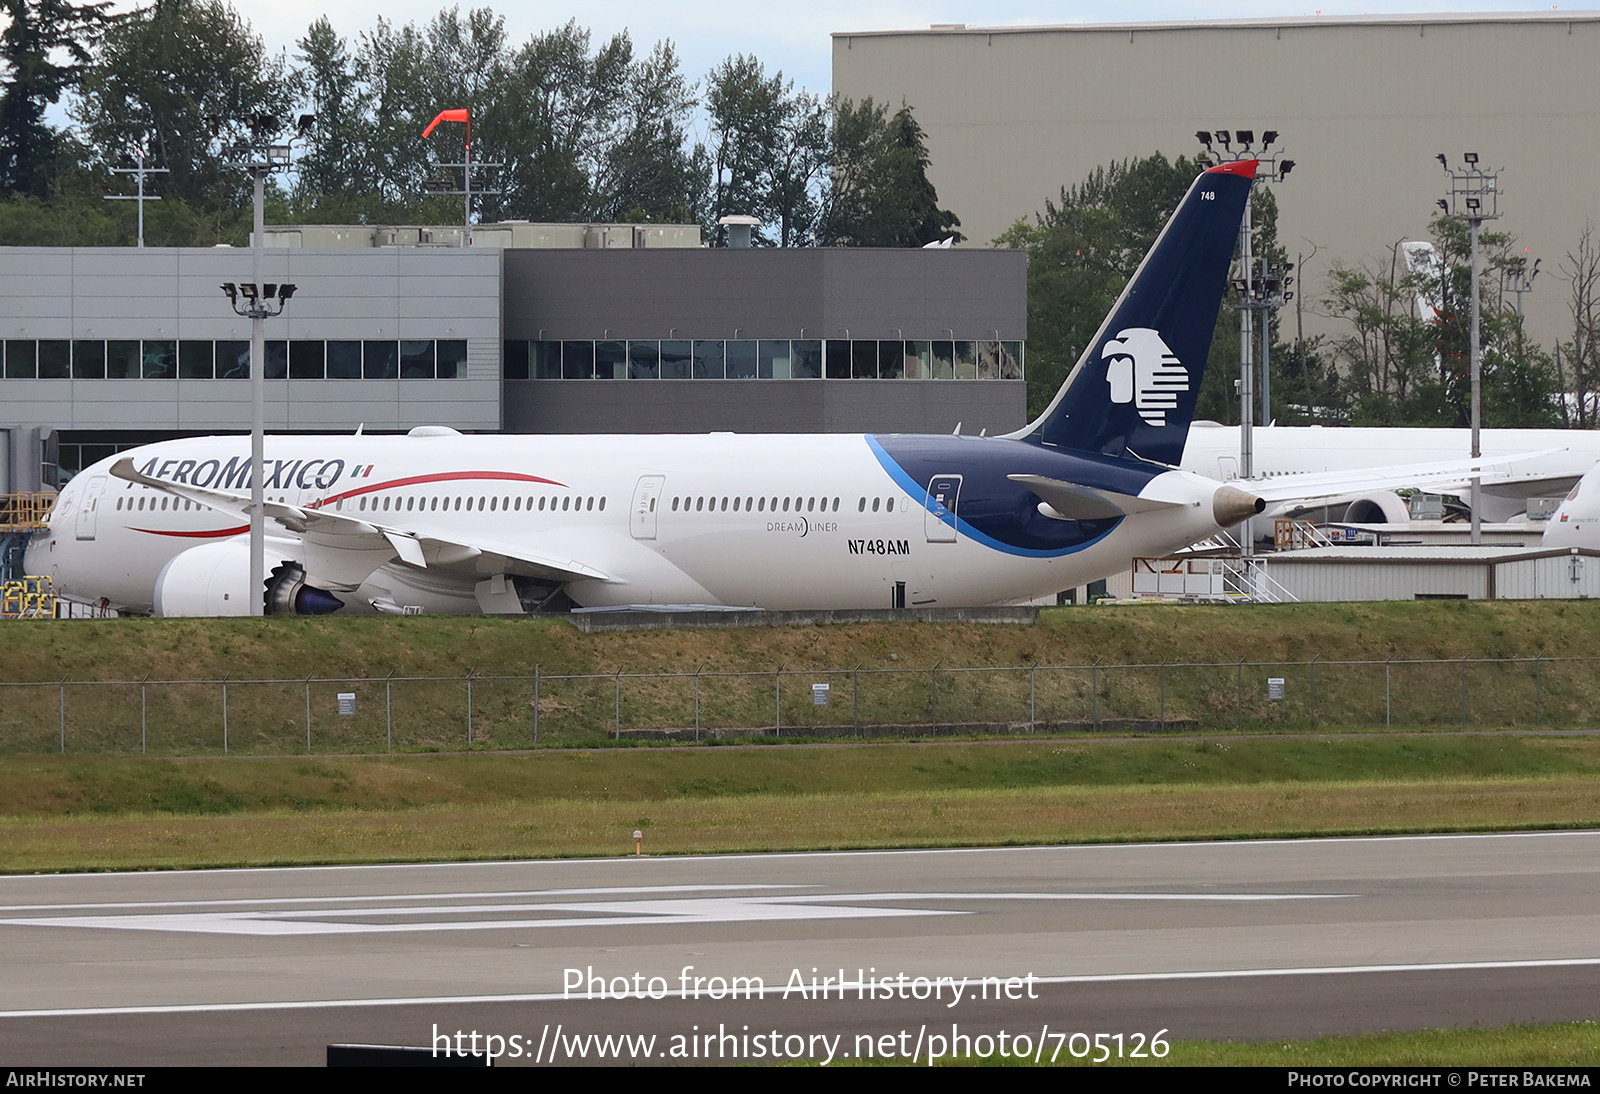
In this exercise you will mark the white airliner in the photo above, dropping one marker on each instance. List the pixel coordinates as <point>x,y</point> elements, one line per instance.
<point>1576,521</point>
<point>440,522</point>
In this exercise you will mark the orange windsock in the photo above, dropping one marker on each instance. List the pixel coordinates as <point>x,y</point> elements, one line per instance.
<point>450,116</point>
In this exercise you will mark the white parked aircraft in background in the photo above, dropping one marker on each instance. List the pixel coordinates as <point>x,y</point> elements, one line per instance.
<point>440,522</point>
<point>1576,521</point>
<point>1553,461</point>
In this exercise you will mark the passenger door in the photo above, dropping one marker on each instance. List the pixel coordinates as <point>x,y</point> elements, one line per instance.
<point>939,519</point>
<point>646,496</point>
<point>88,507</point>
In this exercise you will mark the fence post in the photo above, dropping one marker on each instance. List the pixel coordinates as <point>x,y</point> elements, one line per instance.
<point>1463,689</point>
<point>697,669</point>
<point>225,713</point>
<point>1094,695</point>
<point>1033,694</point>
<point>777,702</point>
<point>617,734</point>
<point>1538,704</point>
<point>308,715</point>
<point>1386,706</point>
<point>63,715</point>
<point>144,708</point>
<point>536,704</point>
<point>1238,710</point>
<point>1162,677</point>
<point>388,709</point>
<point>1314,688</point>
<point>469,706</point>
<point>933,676</point>
<point>855,697</point>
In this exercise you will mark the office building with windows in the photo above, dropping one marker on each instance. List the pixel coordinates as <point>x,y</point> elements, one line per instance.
<point>107,348</point>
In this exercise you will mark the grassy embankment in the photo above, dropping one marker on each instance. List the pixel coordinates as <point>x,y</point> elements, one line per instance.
<point>906,676</point>
<point>98,807</point>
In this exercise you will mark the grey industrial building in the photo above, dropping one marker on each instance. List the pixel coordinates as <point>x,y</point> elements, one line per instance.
<point>609,330</point>
<point>1363,104</point>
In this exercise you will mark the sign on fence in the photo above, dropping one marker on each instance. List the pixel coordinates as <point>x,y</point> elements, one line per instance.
<point>1274,687</point>
<point>819,695</point>
<point>347,702</point>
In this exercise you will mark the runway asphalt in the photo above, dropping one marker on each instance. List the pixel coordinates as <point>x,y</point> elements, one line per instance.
<point>1248,940</point>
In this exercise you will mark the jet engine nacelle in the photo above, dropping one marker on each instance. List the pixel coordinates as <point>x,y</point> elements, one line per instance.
<point>213,579</point>
<point>1380,507</point>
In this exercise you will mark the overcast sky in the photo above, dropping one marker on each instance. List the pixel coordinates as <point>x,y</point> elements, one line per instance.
<point>793,37</point>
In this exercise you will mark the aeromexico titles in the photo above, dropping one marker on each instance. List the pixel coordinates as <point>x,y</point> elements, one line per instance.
<point>440,522</point>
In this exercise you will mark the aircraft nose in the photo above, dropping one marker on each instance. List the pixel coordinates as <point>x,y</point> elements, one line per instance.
<point>1230,506</point>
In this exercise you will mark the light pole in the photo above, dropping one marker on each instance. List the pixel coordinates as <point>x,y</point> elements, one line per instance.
<point>258,302</point>
<point>139,171</point>
<point>1474,197</point>
<point>1273,168</point>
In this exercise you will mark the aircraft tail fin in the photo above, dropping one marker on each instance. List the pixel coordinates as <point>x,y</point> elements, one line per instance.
<point>1132,392</point>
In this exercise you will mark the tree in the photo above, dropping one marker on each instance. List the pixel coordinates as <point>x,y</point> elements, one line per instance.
<point>880,193</point>
<point>44,50</point>
<point>1407,360</point>
<point>768,151</point>
<point>1579,372</point>
<point>337,160</point>
<point>183,79</point>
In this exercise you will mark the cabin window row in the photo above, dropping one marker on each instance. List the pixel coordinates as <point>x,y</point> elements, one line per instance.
<point>763,359</point>
<point>700,504</point>
<point>458,503</point>
<point>186,359</point>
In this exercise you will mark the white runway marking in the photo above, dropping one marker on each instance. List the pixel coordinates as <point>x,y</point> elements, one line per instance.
<point>655,907</point>
<point>558,997</point>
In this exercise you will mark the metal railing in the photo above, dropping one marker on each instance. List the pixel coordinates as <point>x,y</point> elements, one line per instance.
<point>415,713</point>
<point>25,512</point>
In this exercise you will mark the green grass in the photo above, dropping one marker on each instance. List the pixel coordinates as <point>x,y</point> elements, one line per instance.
<point>74,814</point>
<point>897,687</point>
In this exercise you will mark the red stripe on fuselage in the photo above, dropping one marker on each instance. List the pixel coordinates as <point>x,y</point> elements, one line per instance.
<point>446,476</point>
<point>216,534</point>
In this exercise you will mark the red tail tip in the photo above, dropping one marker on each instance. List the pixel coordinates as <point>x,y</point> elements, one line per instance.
<point>1242,168</point>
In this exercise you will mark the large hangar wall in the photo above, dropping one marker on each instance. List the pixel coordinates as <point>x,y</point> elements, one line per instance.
<point>1363,104</point>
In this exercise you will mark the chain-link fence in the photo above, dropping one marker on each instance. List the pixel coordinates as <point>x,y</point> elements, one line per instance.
<point>411,714</point>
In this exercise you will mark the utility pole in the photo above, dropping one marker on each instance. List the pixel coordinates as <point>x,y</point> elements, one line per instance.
<point>1474,197</point>
<point>139,171</point>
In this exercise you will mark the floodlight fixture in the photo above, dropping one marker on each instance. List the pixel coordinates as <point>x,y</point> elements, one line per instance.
<point>285,292</point>
<point>1442,161</point>
<point>1470,157</point>
<point>247,289</point>
<point>1203,136</point>
<point>1244,136</point>
<point>1284,168</point>
<point>231,291</point>
<point>1268,137</point>
<point>1222,138</point>
<point>269,290</point>
<point>1443,205</point>
<point>306,121</point>
<point>1474,204</point>
<point>279,152</point>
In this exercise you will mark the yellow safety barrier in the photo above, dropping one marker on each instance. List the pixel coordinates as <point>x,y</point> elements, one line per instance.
<point>30,598</point>
<point>25,512</point>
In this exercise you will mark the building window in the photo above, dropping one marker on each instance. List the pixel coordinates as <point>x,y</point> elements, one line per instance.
<point>416,359</point>
<point>344,360</point>
<point>306,360</point>
<point>380,360</point>
<point>196,360</point>
<point>88,360</point>
<point>451,354</point>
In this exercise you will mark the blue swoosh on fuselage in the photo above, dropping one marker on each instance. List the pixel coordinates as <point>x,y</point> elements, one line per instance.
<point>992,509</point>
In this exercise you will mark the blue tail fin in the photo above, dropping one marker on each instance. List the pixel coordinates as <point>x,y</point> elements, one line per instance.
<point>1133,391</point>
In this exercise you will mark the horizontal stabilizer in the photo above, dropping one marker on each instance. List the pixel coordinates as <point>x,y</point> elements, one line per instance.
<point>1440,474</point>
<point>1073,502</point>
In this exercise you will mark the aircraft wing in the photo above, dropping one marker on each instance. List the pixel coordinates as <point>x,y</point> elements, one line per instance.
<point>1070,501</point>
<point>342,550</point>
<point>1330,483</point>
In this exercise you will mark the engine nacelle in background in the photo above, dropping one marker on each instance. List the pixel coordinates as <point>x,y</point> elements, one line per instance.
<point>213,579</point>
<point>1380,507</point>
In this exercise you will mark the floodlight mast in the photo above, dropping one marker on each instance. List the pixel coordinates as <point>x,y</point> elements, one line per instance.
<point>465,117</point>
<point>1273,168</point>
<point>259,302</point>
<point>1475,198</point>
